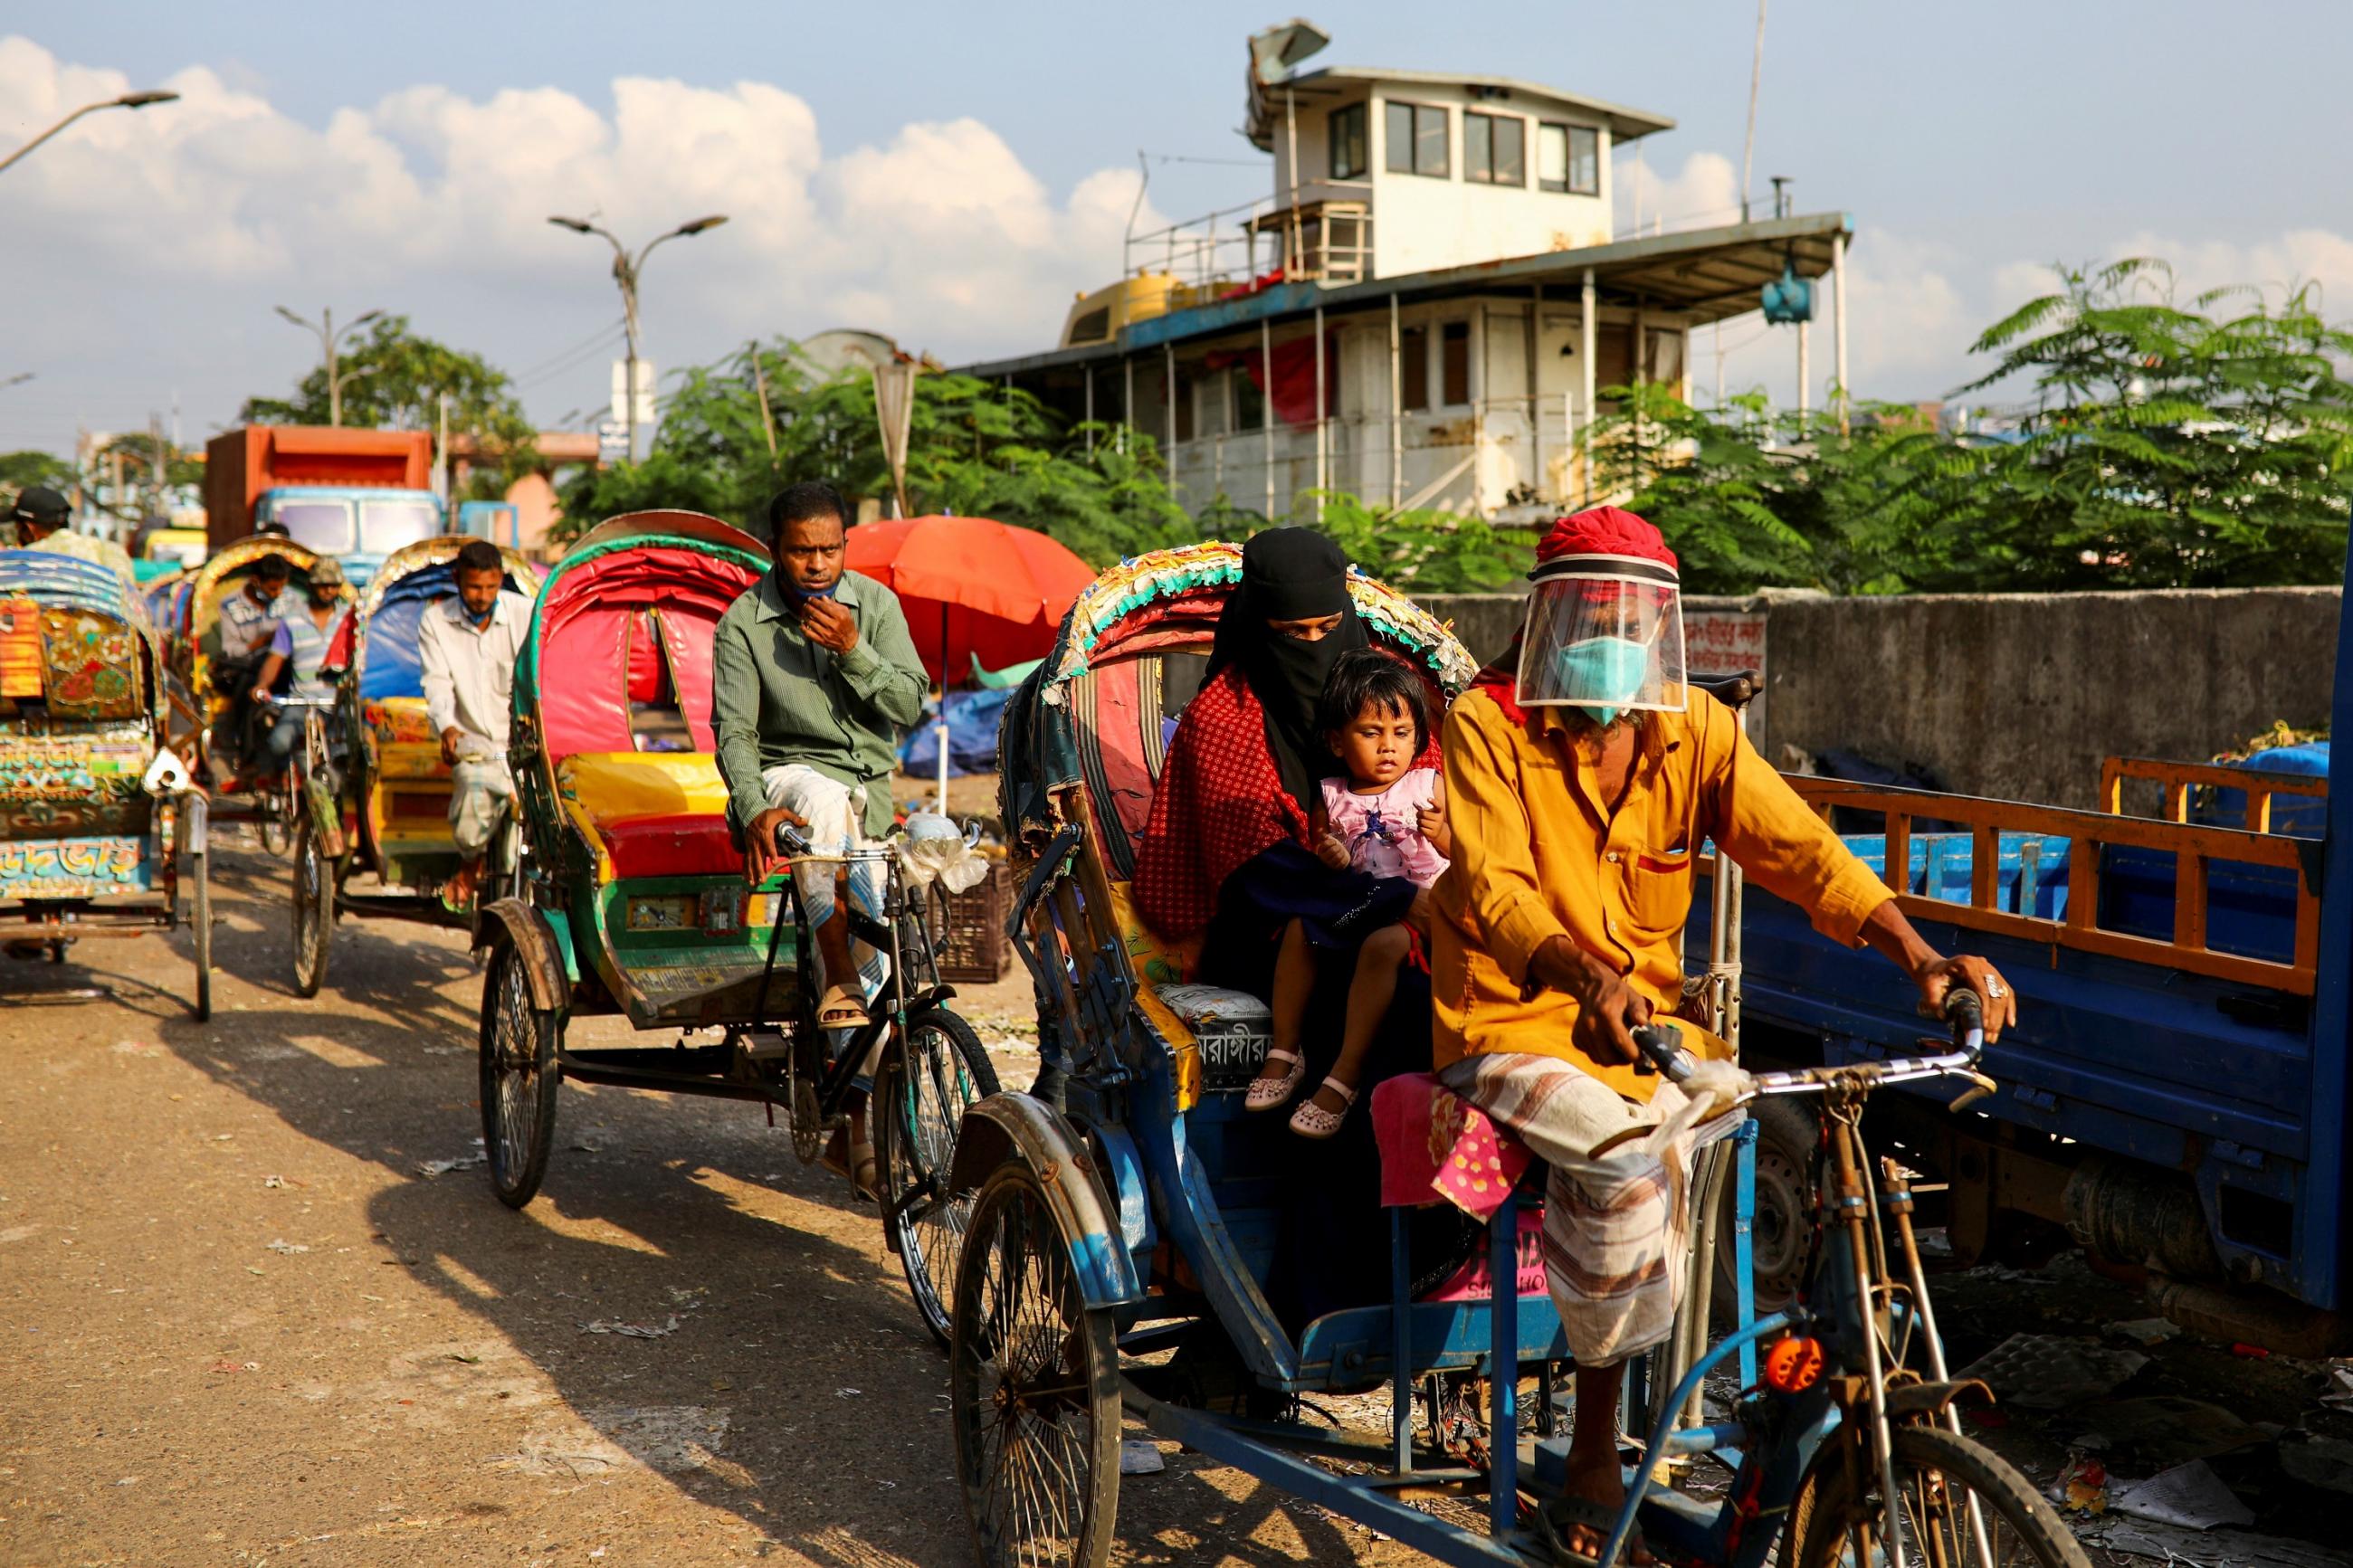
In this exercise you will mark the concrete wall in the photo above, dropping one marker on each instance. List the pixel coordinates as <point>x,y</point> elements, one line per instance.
<point>2019,696</point>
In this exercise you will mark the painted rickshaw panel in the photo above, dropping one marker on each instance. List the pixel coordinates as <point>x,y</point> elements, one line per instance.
<point>81,689</point>
<point>647,878</point>
<point>1154,1096</point>
<point>397,796</point>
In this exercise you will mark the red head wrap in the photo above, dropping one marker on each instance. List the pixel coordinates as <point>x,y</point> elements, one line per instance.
<point>1606,531</point>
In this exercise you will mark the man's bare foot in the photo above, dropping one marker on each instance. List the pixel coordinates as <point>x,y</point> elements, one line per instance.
<point>1598,1481</point>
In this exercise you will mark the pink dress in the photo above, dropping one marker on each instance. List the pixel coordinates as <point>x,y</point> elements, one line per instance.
<point>1383,831</point>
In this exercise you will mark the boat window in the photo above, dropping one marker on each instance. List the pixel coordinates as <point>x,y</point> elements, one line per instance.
<point>1346,131</point>
<point>1454,364</point>
<point>1413,369</point>
<point>1091,328</point>
<point>388,525</point>
<point>1249,403</point>
<point>1494,148</point>
<point>1416,133</point>
<point>324,526</point>
<point>1569,159</point>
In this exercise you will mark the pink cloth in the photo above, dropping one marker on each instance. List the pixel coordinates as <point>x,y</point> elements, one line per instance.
<point>1434,1144</point>
<point>1383,831</point>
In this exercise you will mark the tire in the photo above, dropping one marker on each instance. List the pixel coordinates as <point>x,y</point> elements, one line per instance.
<point>519,1077</point>
<point>200,926</point>
<point>1938,1472</point>
<point>1033,1388</point>
<point>314,911</point>
<point>938,1070</point>
<point>1783,1238</point>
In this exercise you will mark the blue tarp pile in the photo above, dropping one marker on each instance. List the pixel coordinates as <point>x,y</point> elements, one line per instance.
<point>972,735</point>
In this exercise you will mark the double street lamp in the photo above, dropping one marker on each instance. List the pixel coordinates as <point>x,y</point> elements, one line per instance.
<point>329,336</point>
<point>127,100</point>
<point>626,270</point>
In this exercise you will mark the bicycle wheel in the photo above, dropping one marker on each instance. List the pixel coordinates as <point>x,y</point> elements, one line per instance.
<point>519,1077</point>
<point>274,815</point>
<point>1033,1388</point>
<point>200,929</point>
<point>938,1070</point>
<point>1939,1474</point>
<point>314,911</point>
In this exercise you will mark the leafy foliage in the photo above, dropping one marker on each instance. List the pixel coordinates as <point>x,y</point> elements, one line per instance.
<point>394,379</point>
<point>973,448</point>
<point>2170,447</point>
<point>1422,551</point>
<point>22,470</point>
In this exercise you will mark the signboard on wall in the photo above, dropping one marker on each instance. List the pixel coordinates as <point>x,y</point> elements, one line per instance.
<point>1726,642</point>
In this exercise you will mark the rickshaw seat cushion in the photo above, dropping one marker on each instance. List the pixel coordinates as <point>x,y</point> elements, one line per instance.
<point>1435,1145</point>
<point>680,846</point>
<point>659,814</point>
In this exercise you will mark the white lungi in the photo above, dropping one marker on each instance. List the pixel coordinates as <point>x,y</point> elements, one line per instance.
<point>832,812</point>
<point>481,793</point>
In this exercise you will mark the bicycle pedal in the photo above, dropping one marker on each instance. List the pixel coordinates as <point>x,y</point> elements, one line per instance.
<point>764,1045</point>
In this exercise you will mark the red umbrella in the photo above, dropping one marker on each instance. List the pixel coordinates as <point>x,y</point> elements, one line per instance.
<point>972,588</point>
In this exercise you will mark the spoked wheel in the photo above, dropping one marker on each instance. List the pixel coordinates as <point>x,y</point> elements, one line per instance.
<point>1940,1476</point>
<point>314,911</point>
<point>938,1070</point>
<point>518,1078</point>
<point>1033,1385</point>
<point>200,927</point>
<point>274,816</point>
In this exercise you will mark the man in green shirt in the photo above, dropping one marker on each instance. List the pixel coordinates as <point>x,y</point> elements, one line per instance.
<point>814,679</point>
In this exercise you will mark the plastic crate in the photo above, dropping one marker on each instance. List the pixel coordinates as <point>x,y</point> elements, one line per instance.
<point>972,942</point>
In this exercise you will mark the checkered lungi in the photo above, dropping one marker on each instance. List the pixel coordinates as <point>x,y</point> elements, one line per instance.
<point>1617,1230</point>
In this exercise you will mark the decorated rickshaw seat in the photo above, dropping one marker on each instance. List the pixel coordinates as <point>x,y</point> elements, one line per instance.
<point>637,627</point>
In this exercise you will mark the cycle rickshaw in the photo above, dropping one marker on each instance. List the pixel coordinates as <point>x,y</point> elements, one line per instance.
<point>1127,1215</point>
<point>103,833</point>
<point>374,789</point>
<point>203,706</point>
<point>633,901</point>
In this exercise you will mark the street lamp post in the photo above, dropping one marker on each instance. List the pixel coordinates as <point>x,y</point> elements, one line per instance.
<point>127,100</point>
<point>626,270</point>
<point>329,336</point>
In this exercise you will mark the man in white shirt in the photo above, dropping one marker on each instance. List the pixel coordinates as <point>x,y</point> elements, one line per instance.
<point>468,645</point>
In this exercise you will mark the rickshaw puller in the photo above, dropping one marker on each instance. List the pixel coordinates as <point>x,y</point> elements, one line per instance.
<point>814,679</point>
<point>43,519</point>
<point>301,643</point>
<point>1583,777</point>
<point>468,646</point>
<point>249,619</point>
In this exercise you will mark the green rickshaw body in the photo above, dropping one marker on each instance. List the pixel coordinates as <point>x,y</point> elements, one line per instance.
<point>631,860</point>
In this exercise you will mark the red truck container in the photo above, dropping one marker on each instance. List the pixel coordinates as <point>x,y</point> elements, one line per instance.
<point>240,465</point>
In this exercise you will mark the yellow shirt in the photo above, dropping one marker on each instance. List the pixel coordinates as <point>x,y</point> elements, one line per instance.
<point>1538,855</point>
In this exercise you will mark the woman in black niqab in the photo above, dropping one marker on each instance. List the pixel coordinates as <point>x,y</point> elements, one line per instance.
<point>1290,574</point>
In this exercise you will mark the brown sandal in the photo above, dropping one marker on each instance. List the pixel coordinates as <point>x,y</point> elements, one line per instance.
<point>841,1007</point>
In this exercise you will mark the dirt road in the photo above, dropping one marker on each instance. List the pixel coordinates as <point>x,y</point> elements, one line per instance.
<point>238,1325</point>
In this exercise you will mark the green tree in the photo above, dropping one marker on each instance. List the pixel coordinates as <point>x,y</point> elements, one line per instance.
<point>1420,551</point>
<point>394,379</point>
<point>973,448</point>
<point>22,470</point>
<point>2199,445</point>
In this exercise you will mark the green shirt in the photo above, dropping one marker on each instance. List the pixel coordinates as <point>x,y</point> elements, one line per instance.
<point>777,698</point>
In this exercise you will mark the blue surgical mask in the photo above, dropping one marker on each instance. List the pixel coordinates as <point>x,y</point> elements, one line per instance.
<point>1605,666</point>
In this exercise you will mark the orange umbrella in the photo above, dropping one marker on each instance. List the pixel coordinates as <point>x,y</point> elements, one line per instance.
<point>972,588</point>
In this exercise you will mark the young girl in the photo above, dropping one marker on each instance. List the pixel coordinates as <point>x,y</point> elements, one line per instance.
<point>1386,818</point>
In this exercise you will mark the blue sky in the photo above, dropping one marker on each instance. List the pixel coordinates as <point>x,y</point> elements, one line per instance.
<point>1968,144</point>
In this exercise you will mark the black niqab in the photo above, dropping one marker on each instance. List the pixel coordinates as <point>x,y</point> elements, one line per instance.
<point>1290,574</point>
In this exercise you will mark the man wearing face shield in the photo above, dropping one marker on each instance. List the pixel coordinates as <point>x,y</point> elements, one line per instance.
<point>1583,778</point>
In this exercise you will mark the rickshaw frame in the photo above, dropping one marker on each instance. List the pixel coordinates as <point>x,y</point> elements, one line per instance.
<point>553,955</point>
<point>175,837</point>
<point>332,839</point>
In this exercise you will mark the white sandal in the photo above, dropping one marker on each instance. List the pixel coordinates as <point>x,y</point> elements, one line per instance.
<point>1312,1120</point>
<point>1266,1093</point>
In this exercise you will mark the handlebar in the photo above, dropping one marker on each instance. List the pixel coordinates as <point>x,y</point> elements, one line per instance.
<point>1662,1052</point>
<point>794,845</point>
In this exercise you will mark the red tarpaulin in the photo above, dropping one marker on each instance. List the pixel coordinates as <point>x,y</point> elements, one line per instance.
<point>1294,375</point>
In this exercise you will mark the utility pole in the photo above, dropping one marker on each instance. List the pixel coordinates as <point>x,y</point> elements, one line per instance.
<point>626,271</point>
<point>329,336</point>
<point>1755,75</point>
<point>159,461</point>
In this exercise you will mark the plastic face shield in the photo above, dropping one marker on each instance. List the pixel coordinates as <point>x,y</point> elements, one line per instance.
<point>1603,631</point>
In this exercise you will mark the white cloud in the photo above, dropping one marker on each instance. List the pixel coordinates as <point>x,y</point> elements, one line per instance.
<point>432,203</point>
